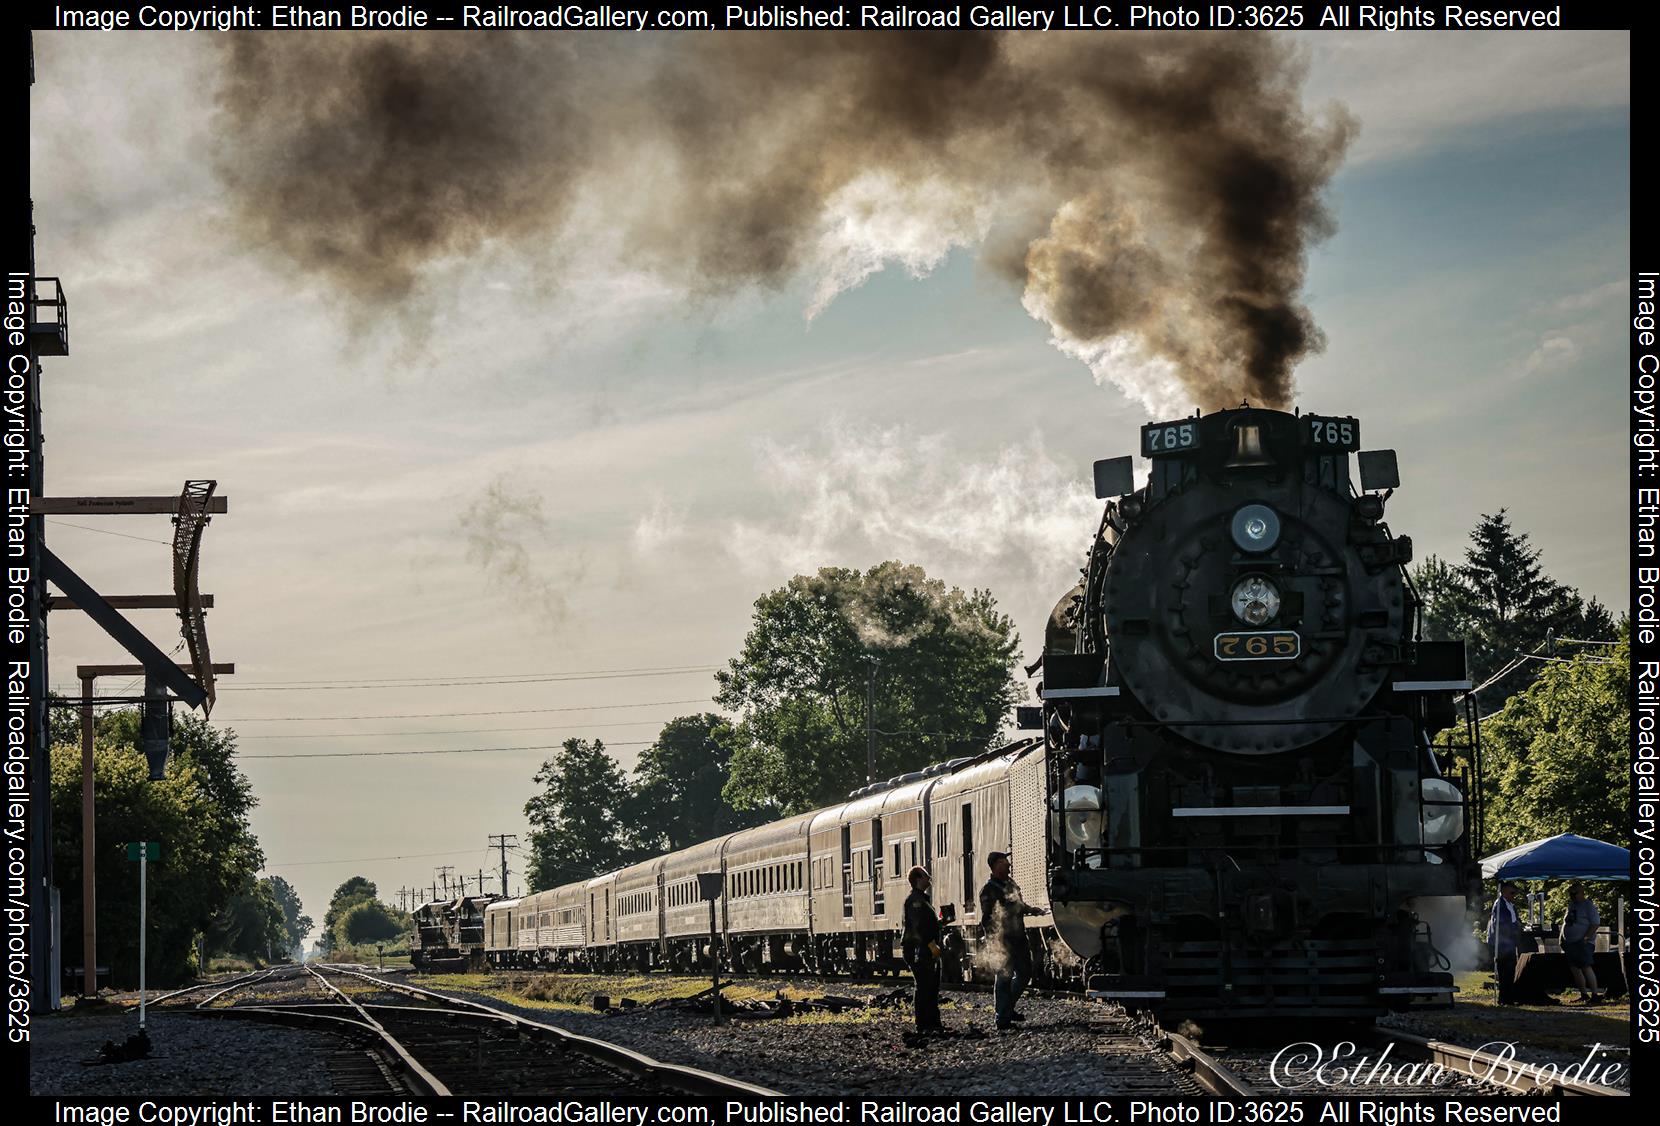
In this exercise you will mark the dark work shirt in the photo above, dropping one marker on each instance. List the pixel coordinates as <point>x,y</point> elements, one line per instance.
<point>922,926</point>
<point>1003,910</point>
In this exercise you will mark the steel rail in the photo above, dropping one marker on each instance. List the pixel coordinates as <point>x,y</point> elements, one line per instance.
<point>423,1078</point>
<point>690,1080</point>
<point>238,982</point>
<point>312,1014</point>
<point>1516,1075</point>
<point>1215,1076</point>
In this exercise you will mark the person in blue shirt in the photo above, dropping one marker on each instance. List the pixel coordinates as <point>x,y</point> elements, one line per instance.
<point>1579,940</point>
<point>1504,936</point>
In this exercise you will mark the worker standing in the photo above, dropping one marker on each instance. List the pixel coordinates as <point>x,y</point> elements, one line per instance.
<point>921,945</point>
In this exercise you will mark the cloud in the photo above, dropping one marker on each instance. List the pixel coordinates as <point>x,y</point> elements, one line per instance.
<point>1416,90</point>
<point>898,493</point>
<point>659,528</point>
<point>1587,315</point>
<point>1555,351</point>
<point>1613,292</point>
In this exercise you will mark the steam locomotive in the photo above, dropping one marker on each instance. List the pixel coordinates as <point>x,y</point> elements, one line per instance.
<point>1236,805</point>
<point>1241,730</point>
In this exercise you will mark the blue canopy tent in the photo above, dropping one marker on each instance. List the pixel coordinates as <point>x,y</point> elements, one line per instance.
<point>1566,856</point>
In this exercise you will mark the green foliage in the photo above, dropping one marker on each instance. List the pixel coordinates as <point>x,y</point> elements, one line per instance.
<point>372,921</point>
<point>578,820</point>
<point>199,813</point>
<point>1501,602</point>
<point>942,688</point>
<point>1557,758</point>
<point>295,924</point>
<point>249,925</point>
<point>349,894</point>
<point>678,786</point>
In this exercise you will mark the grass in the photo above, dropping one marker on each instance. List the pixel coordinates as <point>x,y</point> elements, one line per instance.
<point>1477,1019</point>
<point>576,992</point>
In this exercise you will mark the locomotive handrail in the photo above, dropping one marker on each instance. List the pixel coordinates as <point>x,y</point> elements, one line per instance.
<point>1358,720</point>
<point>1245,849</point>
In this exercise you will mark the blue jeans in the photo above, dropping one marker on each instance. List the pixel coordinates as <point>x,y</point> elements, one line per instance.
<point>1011,981</point>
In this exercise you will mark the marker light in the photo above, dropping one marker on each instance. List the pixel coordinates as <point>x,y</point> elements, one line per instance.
<point>1255,600</point>
<point>1256,528</point>
<point>1443,812</point>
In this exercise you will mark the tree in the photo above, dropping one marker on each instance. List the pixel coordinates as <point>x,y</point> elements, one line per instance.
<point>295,924</point>
<point>358,889</point>
<point>678,786</point>
<point>1503,605</point>
<point>942,687</point>
<point>250,925</point>
<point>372,921</point>
<point>577,822</point>
<point>198,813</point>
<point>1557,757</point>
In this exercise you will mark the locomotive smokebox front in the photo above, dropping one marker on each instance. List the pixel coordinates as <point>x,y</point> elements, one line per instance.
<point>1233,603</point>
<point>1246,798</point>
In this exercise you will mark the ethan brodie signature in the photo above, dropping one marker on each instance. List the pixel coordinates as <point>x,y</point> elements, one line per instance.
<point>1305,1064</point>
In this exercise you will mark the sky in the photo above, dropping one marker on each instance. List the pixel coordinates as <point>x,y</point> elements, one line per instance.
<point>578,483</point>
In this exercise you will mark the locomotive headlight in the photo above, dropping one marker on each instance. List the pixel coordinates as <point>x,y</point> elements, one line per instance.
<point>1256,528</point>
<point>1255,600</point>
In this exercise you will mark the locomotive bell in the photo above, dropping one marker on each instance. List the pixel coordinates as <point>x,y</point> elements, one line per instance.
<point>1247,451</point>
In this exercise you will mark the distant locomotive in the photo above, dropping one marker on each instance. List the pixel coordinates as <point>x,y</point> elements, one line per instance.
<point>1234,808</point>
<point>1240,720</point>
<point>449,934</point>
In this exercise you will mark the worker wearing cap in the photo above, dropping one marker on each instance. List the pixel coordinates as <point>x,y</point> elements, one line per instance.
<point>921,944</point>
<point>1003,912</point>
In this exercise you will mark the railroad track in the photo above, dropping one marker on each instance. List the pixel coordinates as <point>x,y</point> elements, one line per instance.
<point>220,988</point>
<point>1373,1061</point>
<point>434,1043</point>
<point>1377,1062</point>
<point>431,1044</point>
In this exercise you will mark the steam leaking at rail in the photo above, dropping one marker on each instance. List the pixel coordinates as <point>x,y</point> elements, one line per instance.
<point>1154,197</point>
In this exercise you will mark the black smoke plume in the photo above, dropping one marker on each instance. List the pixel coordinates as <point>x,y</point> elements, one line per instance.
<point>1154,196</point>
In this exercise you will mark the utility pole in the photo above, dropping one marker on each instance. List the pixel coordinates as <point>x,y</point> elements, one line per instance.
<point>444,875</point>
<point>480,884</point>
<point>155,706</point>
<point>870,720</point>
<point>501,841</point>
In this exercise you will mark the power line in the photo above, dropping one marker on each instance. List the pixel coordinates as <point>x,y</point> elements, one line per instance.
<point>107,532</point>
<point>417,681</point>
<point>439,751</point>
<point>451,715</point>
<point>531,679</point>
<point>367,859</point>
<point>932,734</point>
<point>1522,657</point>
<point>453,731</point>
<point>1568,660</point>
